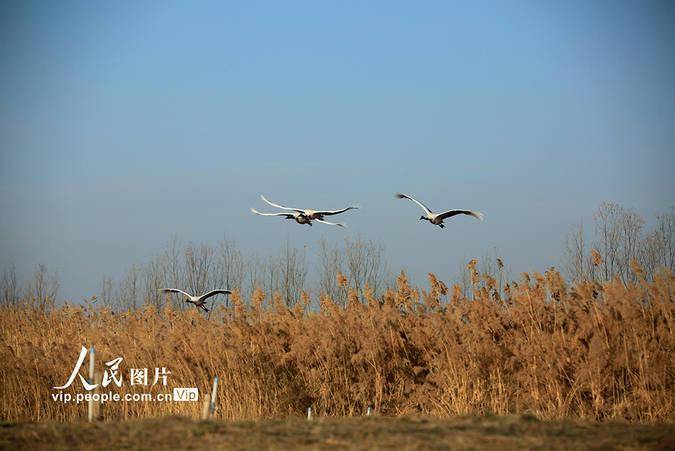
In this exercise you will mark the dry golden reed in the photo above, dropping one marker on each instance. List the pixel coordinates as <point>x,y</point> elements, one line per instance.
<point>588,350</point>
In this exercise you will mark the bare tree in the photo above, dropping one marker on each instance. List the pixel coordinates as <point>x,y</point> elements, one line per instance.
<point>200,270</point>
<point>665,237</point>
<point>174,271</point>
<point>232,266</point>
<point>620,240</point>
<point>106,295</point>
<point>256,274</point>
<point>362,261</point>
<point>607,226</point>
<point>292,273</point>
<point>194,268</point>
<point>10,290</point>
<point>574,258</point>
<point>270,276</point>
<point>198,261</point>
<point>43,288</point>
<point>365,264</point>
<point>630,230</point>
<point>128,294</point>
<point>154,279</point>
<point>331,261</point>
<point>658,246</point>
<point>488,266</point>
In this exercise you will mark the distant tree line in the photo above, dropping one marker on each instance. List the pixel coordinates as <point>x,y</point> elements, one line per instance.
<point>200,268</point>
<point>40,291</point>
<point>619,238</point>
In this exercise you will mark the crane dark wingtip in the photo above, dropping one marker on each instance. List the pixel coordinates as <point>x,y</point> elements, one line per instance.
<point>400,196</point>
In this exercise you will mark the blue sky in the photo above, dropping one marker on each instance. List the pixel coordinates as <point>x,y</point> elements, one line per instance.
<point>125,123</point>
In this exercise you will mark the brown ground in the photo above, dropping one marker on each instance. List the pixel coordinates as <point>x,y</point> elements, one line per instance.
<point>502,433</point>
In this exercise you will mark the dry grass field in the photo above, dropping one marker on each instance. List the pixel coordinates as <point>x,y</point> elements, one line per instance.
<point>538,346</point>
<point>470,433</point>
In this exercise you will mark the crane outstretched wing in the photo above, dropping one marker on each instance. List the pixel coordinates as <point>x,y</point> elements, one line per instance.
<point>299,210</point>
<point>450,213</point>
<point>213,293</point>
<point>405,196</point>
<point>339,224</point>
<point>336,212</point>
<point>287,215</point>
<point>174,290</point>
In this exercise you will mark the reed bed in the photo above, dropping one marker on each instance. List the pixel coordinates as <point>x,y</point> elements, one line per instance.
<point>538,346</point>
